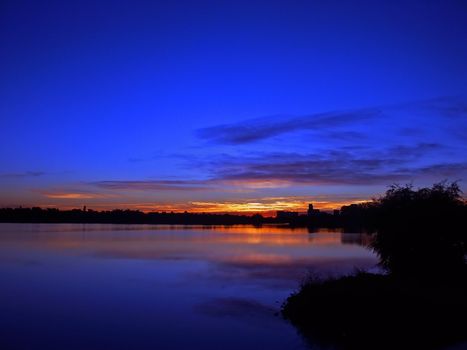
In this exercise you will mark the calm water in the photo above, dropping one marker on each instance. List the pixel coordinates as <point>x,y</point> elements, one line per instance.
<point>75,286</point>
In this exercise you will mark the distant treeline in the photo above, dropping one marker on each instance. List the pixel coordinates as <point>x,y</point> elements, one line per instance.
<point>440,207</point>
<point>52,215</point>
<point>355,216</point>
<point>442,201</point>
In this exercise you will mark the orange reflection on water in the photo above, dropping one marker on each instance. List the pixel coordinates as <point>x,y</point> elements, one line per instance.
<point>233,245</point>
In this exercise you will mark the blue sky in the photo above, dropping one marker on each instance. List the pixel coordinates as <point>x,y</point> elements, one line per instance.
<point>229,105</point>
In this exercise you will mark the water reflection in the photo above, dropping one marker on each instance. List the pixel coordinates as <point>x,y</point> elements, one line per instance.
<point>138,286</point>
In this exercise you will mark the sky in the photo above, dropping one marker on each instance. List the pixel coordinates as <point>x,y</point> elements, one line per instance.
<point>220,106</point>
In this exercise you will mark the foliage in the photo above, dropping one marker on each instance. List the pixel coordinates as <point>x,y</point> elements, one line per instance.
<point>373,311</point>
<point>422,232</point>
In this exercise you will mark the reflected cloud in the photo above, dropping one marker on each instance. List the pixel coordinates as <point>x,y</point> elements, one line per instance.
<point>282,273</point>
<point>235,307</point>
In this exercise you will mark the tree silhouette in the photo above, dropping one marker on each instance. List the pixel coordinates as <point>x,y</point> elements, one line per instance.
<point>422,233</point>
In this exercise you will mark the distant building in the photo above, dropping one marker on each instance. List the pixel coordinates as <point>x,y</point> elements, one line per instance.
<point>282,214</point>
<point>311,211</point>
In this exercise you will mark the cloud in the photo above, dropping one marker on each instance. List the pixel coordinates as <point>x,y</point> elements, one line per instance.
<point>279,271</point>
<point>269,205</point>
<point>417,150</point>
<point>448,170</point>
<point>22,175</point>
<point>363,147</point>
<point>356,125</point>
<point>373,146</point>
<point>152,185</point>
<point>258,129</point>
<point>286,169</point>
<point>236,307</point>
<point>330,168</point>
<point>314,172</point>
<point>72,194</point>
<point>336,167</point>
<point>454,107</point>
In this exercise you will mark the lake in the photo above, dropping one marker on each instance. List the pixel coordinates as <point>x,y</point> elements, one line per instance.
<point>91,286</point>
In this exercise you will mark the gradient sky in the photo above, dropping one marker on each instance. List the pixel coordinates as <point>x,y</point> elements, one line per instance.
<point>229,105</point>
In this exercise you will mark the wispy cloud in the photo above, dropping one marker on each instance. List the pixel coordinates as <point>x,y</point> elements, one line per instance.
<point>73,194</point>
<point>453,171</point>
<point>152,185</point>
<point>285,169</point>
<point>25,174</point>
<point>355,149</point>
<point>258,129</point>
<point>336,167</point>
<point>415,150</point>
<point>312,171</point>
<point>372,146</point>
<point>347,125</point>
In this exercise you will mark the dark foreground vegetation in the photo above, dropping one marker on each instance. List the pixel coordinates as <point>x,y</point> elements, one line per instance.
<point>421,300</point>
<point>369,311</point>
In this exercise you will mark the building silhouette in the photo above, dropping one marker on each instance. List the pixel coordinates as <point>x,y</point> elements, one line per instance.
<point>311,211</point>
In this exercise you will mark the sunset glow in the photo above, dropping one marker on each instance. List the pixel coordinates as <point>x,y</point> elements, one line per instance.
<point>308,107</point>
<point>264,206</point>
<point>73,195</point>
<point>233,174</point>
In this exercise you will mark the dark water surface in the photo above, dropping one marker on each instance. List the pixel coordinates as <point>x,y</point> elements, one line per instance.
<point>87,286</point>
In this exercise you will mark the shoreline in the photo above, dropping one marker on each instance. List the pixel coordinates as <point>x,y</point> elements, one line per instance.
<point>369,311</point>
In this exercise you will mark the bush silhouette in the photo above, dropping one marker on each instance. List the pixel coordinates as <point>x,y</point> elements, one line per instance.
<point>422,232</point>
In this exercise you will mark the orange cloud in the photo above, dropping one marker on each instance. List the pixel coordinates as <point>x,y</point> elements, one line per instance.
<point>258,183</point>
<point>74,195</point>
<point>266,206</point>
